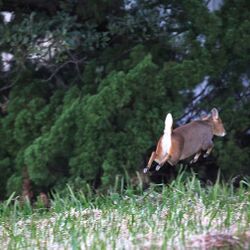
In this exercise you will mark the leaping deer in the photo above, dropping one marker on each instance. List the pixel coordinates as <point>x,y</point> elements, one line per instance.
<point>187,140</point>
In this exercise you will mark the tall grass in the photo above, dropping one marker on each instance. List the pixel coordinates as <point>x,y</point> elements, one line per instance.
<point>182,215</point>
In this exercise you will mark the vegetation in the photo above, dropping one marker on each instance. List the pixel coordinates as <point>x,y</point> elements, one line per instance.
<point>90,83</point>
<point>180,216</point>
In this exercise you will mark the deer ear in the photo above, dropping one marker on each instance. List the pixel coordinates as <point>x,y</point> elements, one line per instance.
<point>215,113</point>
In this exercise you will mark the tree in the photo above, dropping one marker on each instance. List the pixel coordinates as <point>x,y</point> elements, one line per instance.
<point>90,85</point>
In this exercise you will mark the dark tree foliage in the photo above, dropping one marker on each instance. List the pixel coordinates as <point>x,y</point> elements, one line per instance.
<point>90,83</point>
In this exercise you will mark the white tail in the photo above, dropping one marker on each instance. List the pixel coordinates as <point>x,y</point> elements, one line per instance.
<point>166,138</point>
<point>164,145</point>
<point>168,124</point>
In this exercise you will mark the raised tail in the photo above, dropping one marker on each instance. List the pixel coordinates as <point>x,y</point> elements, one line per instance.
<point>168,124</point>
<point>163,146</point>
<point>166,138</point>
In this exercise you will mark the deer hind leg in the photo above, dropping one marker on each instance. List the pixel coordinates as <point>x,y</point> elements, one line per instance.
<point>163,161</point>
<point>196,157</point>
<point>152,157</point>
<point>174,154</point>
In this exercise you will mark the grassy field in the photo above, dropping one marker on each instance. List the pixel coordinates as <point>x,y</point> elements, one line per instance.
<point>180,216</point>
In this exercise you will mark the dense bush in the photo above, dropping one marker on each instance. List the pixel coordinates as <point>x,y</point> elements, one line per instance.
<point>86,105</point>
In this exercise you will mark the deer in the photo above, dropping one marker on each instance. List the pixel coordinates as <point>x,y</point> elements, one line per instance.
<point>187,140</point>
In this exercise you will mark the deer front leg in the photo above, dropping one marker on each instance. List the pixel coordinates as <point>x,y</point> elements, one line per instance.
<point>196,157</point>
<point>152,157</point>
<point>208,152</point>
<point>162,162</point>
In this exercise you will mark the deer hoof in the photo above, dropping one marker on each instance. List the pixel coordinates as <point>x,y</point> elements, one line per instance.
<point>157,167</point>
<point>205,155</point>
<point>193,161</point>
<point>145,170</point>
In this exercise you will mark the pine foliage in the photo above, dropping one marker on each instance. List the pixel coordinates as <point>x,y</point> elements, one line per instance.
<point>90,84</point>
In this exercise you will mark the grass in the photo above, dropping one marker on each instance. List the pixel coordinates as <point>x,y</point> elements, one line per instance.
<point>180,216</point>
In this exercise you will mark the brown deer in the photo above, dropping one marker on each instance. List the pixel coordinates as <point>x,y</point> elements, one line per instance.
<point>187,140</point>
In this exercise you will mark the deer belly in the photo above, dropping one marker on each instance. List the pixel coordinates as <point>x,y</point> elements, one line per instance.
<point>189,149</point>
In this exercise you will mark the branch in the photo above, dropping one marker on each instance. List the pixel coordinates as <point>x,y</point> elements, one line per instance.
<point>76,62</point>
<point>6,87</point>
<point>192,106</point>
